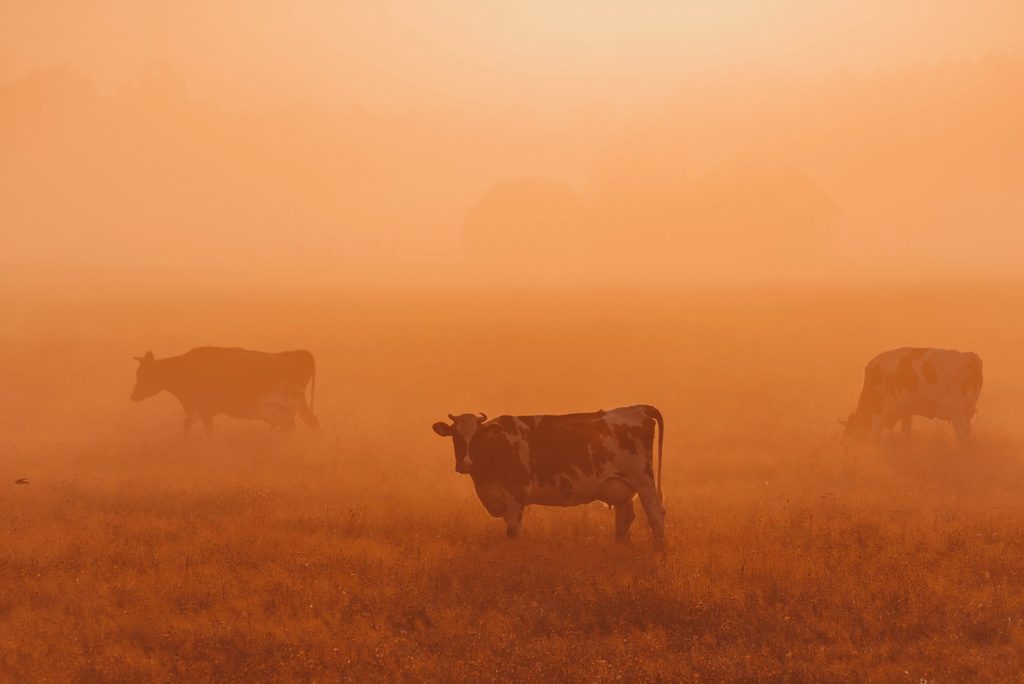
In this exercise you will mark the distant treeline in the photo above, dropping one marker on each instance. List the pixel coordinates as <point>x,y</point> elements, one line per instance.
<point>904,172</point>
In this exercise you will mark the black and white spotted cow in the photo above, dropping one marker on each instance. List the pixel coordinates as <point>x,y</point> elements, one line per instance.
<point>913,381</point>
<point>563,460</point>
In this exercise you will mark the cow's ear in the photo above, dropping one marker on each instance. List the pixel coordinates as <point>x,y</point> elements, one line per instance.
<point>443,429</point>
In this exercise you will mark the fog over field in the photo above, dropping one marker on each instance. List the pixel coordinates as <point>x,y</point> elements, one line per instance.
<point>358,552</point>
<point>722,210</point>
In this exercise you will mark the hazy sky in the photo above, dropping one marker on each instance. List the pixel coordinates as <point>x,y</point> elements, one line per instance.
<point>551,52</point>
<point>326,142</point>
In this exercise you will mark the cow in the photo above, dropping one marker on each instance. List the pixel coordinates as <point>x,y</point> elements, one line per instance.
<point>915,381</point>
<point>563,460</point>
<point>236,382</point>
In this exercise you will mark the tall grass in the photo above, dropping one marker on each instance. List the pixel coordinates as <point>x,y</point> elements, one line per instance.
<point>359,554</point>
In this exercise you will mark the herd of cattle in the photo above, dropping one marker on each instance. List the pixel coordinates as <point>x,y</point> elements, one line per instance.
<point>553,460</point>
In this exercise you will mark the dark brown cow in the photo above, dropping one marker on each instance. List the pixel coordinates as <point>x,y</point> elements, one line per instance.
<point>236,382</point>
<point>564,460</point>
<point>914,381</point>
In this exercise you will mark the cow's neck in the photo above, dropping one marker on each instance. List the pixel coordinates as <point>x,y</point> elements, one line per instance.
<point>482,479</point>
<point>169,379</point>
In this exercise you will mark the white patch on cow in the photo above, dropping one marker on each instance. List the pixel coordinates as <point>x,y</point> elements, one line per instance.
<point>279,408</point>
<point>521,448</point>
<point>467,425</point>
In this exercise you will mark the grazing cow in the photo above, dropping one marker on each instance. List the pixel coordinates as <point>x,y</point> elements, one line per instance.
<point>563,461</point>
<point>237,382</point>
<point>908,382</point>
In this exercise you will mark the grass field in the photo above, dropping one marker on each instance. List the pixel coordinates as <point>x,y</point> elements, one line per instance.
<point>358,554</point>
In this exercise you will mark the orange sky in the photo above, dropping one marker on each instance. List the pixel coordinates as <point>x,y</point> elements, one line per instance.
<point>457,48</point>
<point>327,143</point>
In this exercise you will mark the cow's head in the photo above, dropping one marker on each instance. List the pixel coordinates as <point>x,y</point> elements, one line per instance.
<point>146,382</point>
<point>857,426</point>
<point>461,430</point>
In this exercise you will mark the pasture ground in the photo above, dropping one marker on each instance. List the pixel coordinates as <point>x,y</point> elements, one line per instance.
<point>358,554</point>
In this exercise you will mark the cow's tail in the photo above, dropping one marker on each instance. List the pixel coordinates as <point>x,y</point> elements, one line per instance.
<point>312,386</point>
<point>656,414</point>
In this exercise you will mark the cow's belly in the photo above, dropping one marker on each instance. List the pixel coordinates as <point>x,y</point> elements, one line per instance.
<point>610,490</point>
<point>241,401</point>
<point>242,413</point>
<point>545,496</point>
<point>930,405</point>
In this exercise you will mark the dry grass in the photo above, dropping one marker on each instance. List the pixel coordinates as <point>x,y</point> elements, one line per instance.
<point>360,555</point>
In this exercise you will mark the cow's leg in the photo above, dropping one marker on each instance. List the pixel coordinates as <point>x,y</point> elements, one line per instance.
<point>307,415</point>
<point>288,424</point>
<point>513,519</point>
<point>876,428</point>
<point>624,517</point>
<point>208,424</point>
<point>962,426</point>
<point>905,423</point>
<point>655,512</point>
<point>187,423</point>
<point>619,494</point>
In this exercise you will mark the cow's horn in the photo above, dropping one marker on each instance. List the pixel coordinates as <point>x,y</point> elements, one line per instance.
<point>483,417</point>
<point>451,417</point>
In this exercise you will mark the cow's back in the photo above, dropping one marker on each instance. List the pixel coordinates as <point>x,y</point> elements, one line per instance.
<point>234,380</point>
<point>926,381</point>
